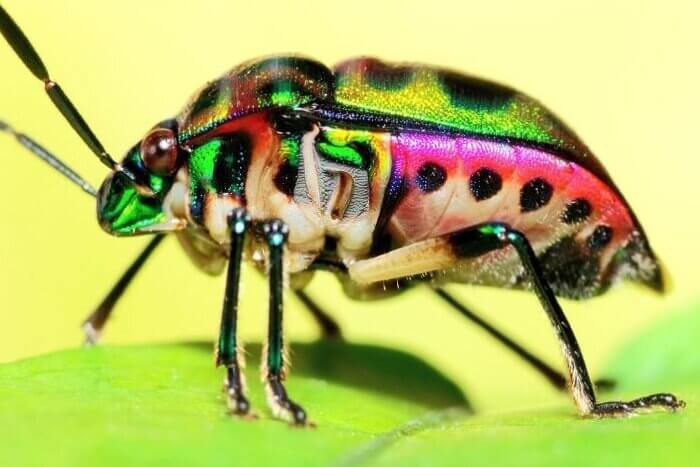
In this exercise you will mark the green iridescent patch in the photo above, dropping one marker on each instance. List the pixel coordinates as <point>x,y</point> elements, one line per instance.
<point>351,147</point>
<point>343,154</point>
<point>218,166</point>
<point>283,93</point>
<point>202,164</point>
<point>450,100</point>
<point>289,149</point>
<point>125,211</point>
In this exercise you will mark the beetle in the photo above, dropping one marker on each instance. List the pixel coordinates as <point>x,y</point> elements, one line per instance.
<point>388,175</point>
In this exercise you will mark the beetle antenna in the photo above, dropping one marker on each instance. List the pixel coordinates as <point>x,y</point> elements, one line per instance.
<point>43,154</point>
<point>25,51</point>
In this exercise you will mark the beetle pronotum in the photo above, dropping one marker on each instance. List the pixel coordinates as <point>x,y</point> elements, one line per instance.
<point>381,173</point>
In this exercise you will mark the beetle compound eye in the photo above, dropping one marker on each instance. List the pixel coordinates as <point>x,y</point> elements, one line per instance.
<point>159,151</point>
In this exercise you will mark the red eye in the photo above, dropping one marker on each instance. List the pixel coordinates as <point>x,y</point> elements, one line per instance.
<point>159,151</point>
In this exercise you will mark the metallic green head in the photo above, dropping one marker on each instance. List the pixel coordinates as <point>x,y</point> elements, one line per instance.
<point>134,198</point>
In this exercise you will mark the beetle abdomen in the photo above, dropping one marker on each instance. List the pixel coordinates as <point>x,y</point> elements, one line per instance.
<point>578,224</point>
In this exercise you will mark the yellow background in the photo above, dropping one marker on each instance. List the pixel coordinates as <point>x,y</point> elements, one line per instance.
<point>623,74</point>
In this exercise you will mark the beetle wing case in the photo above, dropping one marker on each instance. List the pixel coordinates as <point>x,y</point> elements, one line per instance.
<point>380,156</point>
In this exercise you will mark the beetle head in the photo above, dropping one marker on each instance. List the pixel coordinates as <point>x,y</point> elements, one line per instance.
<point>133,199</point>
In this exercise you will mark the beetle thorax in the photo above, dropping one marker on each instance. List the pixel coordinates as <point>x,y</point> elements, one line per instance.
<point>324,189</point>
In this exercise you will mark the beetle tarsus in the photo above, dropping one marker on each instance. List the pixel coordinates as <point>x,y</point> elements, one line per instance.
<point>282,407</point>
<point>643,404</point>
<point>238,404</point>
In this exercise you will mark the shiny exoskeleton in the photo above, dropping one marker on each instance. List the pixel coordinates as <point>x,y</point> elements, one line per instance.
<point>388,175</point>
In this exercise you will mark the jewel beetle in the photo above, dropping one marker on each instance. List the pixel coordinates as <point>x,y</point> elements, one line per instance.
<point>388,175</point>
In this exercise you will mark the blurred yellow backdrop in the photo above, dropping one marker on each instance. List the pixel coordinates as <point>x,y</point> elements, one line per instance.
<point>623,74</point>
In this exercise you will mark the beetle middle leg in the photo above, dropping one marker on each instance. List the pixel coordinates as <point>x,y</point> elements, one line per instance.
<point>444,252</point>
<point>273,371</point>
<point>329,327</point>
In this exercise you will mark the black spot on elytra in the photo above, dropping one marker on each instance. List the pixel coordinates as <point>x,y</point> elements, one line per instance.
<point>207,97</point>
<point>576,211</point>
<point>231,167</point>
<point>570,271</point>
<point>474,93</point>
<point>600,238</point>
<point>485,183</point>
<point>380,75</point>
<point>535,194</point>
<point>308,72</point>
<point>430,177</point>
<point>286,178</point>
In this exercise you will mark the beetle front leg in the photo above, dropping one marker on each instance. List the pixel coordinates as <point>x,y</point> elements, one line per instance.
<point>273,371</point>
<point>95,322</point>
<point>228,352</point>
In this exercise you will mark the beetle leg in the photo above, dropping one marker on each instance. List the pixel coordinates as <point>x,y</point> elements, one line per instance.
<point>228,352</point>
<point>329,327</point>
<point>581,385</point>
<point>95,322</point>
<point>554,377</point>
<point>444,252</point>
<point>273,371</point>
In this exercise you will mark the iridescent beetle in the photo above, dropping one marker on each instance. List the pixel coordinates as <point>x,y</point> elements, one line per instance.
<point>382,173</point>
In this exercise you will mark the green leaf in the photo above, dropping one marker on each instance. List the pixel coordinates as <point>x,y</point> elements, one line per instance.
<point>163,406</point>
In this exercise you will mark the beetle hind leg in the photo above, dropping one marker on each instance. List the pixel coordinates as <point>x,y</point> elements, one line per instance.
<point>228,352</point>
<point>441,253</point>
<point>273,370</point>
<point>581,385</point>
